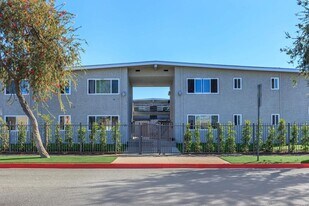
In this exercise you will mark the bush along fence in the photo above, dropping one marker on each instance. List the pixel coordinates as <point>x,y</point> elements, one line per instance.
<point>246,139</point>
<point>66,139</point>
<point>204,138</point>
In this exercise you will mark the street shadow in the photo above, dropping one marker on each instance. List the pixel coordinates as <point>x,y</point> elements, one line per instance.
<point>203,187</point>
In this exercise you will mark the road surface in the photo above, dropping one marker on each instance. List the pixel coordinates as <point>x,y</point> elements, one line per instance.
<point>154,187</point>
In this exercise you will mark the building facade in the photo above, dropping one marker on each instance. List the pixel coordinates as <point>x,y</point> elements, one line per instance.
<point>199,93</point>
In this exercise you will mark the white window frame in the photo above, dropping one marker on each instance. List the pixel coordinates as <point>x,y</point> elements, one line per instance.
<point>271,118</point>
<point>70,89</point>
<point>5,116</point>
<point>236,78</point>
<point>64,115</point>
<point>195,115</point>
<point>88,123</point>
<point>5,92</point>
<point>208,78</point>
<point>271,86</point>
<point>240,119</point>
<point>110,79</point>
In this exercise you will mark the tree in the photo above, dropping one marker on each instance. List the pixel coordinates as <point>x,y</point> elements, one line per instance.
<point>246,136</point>
<point>299,52</point>
<point>294,138</point>
<point>103,141</point>
<point>209,139</point>
<point>269,144</point>
<point>230,140</point>
<point>187,139</point>
<point>197,139</point>
<point>37,45</point>
<point>281,138</point>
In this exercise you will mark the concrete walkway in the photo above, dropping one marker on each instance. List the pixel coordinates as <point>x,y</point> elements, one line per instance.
<point>169,160</point>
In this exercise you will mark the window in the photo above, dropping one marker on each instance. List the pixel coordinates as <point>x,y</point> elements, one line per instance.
<point>24,87</point>
<point>237,119</point>
<point>237,83</point>
<point>107,120</point>
<point>15,120</point>
<point>66,90</point>
<point>202,120</point>
<point>103,86</point>
<point>64,120</point>
<point>275,119</point>
<point>275,83</point>
<point>203,86</point>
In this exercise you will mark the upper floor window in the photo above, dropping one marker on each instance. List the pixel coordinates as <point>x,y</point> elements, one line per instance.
<point>237,119</point>
<point>66,90</point>
<point>203,86</point>
<point>24,87</point>
<point>202,120</point>
<point>103,86</point>
<point>237,83</point>
<point>275,119</point>
<point>274,83</point>
<point>107,120</point>
<point>64,120</point>
<point>14,120</point>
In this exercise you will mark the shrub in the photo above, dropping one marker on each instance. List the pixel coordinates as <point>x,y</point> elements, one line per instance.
<point>58,138</point>
<point>187,139</point>
<point>281,135</point>
<point>258,143</point>
<point>197,139</point>
<point>230,140</point>
<point>69,135</point>
<point>209,139</point>
<point>246,136</point>
<point>82,134</point>
<point>305,137</point>
<point>294,134</point>
<point>22,135</point>
<point>103,137</point>
<point>269,144</point>
<point>220,138</point>
<point>116,137</point>
<point>4,135</point>
<point>48,131</point>
<point>93,133</point>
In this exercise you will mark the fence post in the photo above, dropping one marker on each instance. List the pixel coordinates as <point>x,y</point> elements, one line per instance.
<point>289,137</point>
<point>253,138</point>
<point>183,138</point>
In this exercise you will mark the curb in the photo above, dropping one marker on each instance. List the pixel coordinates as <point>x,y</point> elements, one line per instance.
<point>151,166</point>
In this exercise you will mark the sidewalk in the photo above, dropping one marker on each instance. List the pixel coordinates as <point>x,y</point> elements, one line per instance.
<point>169,160</point>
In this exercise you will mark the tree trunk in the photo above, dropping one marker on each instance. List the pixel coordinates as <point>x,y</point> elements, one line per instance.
<point>33,121</point>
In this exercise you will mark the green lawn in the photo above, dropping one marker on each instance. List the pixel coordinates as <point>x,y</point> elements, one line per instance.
<point>57,159</point>
<point>267,159</point>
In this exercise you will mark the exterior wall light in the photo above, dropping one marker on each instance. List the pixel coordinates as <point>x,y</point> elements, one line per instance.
<point>123,93</point>
<point>179,93</point>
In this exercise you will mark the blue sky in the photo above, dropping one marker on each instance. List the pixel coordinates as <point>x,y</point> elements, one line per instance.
<point>241,32</point>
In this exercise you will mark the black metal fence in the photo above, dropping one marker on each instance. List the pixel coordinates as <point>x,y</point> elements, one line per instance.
<point>148,138</point>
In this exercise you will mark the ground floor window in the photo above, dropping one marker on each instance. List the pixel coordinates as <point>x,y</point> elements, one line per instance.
<point>14,120</point>
<point>202,120</point>
<point>237,119</point>
<point>107,120</point>
<point>275,119</point>
<point>64,120</point>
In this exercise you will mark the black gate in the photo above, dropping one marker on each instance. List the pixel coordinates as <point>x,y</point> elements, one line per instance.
<point>152,138</point>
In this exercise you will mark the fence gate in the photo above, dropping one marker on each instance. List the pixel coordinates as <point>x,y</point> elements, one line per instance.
<point>152,138</point>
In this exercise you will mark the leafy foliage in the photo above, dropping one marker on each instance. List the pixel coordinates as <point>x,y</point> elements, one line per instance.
<point>246,136</point>
<point>68,135</point>
<point>299,52</point>
<point>187,139</point>
<point>230,140</point>
<point>305,137</point>
<point>294,134</point>
<point>116,137</point>
<point>93,132</point>
<point>197,139</point>
<point>281,134</point>
<point>4,135</point>
<point>22,135</point>
<point>82,134</point>
<point>269,144</point>
<point>209,139</point>
<point>103,141</point>
<point>220,138</point>
<point>58,138</point>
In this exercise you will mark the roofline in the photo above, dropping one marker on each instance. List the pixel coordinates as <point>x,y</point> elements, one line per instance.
<point>187,64</point>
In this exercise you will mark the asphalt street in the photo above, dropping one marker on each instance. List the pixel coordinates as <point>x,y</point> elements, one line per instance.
<point>154,187</point>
